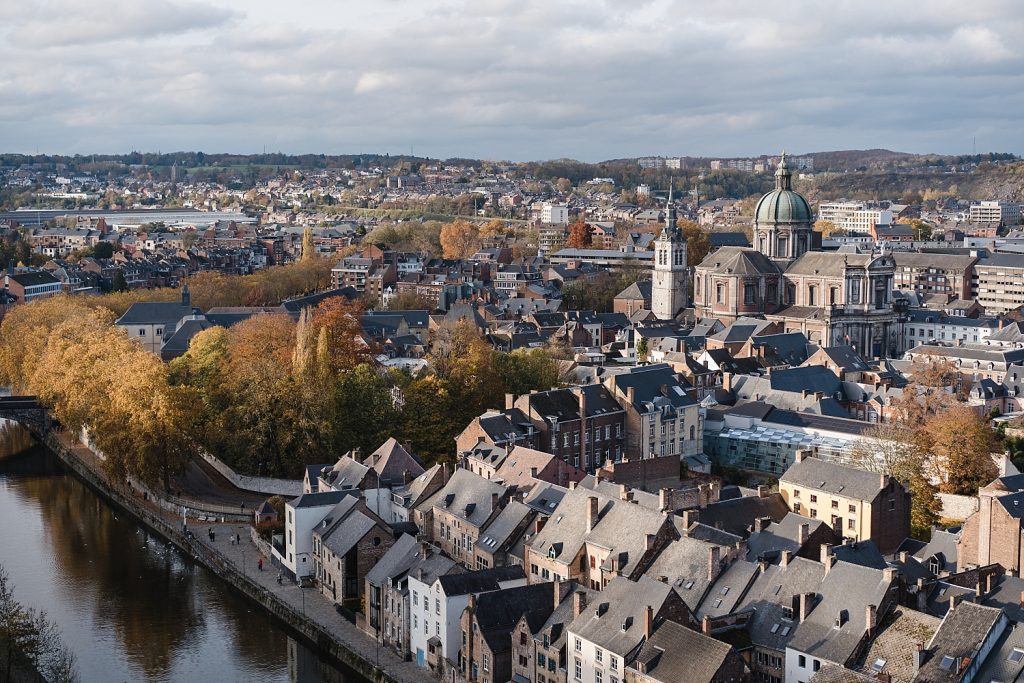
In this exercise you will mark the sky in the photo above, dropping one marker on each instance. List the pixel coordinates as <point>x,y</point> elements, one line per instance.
<point>511,79</point>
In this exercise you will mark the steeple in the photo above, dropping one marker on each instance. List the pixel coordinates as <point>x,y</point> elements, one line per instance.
<point>783,178</point>
<point>670,212</point>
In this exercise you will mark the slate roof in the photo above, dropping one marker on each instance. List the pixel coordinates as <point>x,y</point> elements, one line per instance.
<point>818,474</point>
<point>1006,596</point>
<point>779,536</point>
<point>615,620</point>
<point>178,342</point>
<point>722,238</point>
<point>896,643</point>
<point>791,348</point>
<point>830,673</point>
<point>641,289</point>
<point>846,358</point>
<point>323,499</point>
<point>647,382</point>
<point>741,330</point>
<point>155,313</point>
<point>863,553</point>
<point>395,562</point>
<point>498,612</point>
<point>736,516</point>
<point>34,278</point>
<point>346,524</point>
<point>467,496</point>
<point>828,264</point>
<point>1000,664</point>
<point>481,580</point>
<point>675,653</point>
<point>845,590</point>
<point>499,533</point>
<point>728,589</point>
<point>739,261</point>
<point>684,565</point>
<point>393,462</point>
<point>961,632</point>
<point>346,473</point>
<point>943,545</point>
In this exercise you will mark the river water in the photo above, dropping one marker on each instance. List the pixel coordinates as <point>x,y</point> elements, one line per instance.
<point>129,606</point>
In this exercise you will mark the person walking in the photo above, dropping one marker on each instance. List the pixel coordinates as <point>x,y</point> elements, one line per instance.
<point>259,564</point>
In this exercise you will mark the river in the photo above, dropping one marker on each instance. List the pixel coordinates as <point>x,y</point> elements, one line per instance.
<point>130,607</point>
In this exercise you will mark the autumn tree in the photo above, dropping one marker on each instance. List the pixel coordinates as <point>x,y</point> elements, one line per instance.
<point>494,228</point>
<point>410,301</point>
<point>308,248</point>
<point>580,236</point>
<point>920,229</point>
<point>890,448</point>
<point>341,319</point>
<point>698,241</point>
<point>960,442</point>
<point>826,228</point>
<point>459,239</point>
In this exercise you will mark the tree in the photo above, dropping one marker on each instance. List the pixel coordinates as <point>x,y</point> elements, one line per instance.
<point>579,235</point>
<point>826,228</point>
<point>308,248</point>
<point>341,319</point>
<point>931,386</point>
<point>364,412</point>
<point>459,239</point>
<point>523,371</point>
<point>103,249</point>
<point>410,301</point>
<point>889,448</point>
<point>31,639</point>
<point>698,241</point>
<point>493,228</point>
<point>118,282</point>
<point>642,349</point>
<point>960,443</point>
<point>922,231</point>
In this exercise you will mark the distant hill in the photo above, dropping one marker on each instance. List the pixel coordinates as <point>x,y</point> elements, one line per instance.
<point>851,159</point>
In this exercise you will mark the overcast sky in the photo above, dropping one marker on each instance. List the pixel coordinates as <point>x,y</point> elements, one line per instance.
<point>511,79</point>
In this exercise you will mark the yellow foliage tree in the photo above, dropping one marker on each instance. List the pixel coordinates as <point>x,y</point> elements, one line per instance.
<point>459,239</point>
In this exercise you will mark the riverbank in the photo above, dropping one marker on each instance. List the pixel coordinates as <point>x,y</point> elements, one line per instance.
<point>303,611</point>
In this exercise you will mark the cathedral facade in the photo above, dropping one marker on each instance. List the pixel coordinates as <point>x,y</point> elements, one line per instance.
<point>834,298</point>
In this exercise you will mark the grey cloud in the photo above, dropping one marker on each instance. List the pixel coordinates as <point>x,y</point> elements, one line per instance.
<point>523,79</point>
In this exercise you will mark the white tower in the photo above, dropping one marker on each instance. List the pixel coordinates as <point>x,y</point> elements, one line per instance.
<point>668,288</point>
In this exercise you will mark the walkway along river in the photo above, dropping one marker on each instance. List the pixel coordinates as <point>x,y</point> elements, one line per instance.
<point>130,606</point>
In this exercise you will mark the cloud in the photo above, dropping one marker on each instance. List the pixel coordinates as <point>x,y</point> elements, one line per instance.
<point>511,78</point>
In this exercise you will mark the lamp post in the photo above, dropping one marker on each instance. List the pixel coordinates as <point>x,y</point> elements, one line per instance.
<point>302,590</point>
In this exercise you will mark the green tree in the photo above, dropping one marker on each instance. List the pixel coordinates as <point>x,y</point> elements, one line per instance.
<point>364,412</point>
<point>523,371</point>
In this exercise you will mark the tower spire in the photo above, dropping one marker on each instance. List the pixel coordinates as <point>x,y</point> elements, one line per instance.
<point>783,178</point>
<point>670,211</point>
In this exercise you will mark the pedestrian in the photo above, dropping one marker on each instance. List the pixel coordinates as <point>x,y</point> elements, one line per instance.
<point>259,563</point>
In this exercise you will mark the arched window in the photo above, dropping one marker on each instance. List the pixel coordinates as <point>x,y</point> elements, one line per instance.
<point>693,433</point>
<point>812,296</point>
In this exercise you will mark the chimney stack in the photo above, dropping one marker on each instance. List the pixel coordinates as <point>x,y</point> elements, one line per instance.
<point>881,480</point>
<point>826,552</point>
<point>494,502</point>
<point>533,472</point>
<point>624,492</point>
<point>802,532</point>
<point>990,582</point>
<point>648,622</point>
<point>713,562</point>
<point>591,513</point>
<point>510,400</point>
<point>629,395</point>
<point>557,590</point>
<point>786,557</point>
<point>690,517</point>
<point>919,656</point>
<point>579,603</point>
<point>664,499</point>
<point>762,523</point>
<point>424,551</point>
<point>763,491</point>
<point>806,604</point>
<point>705,625</point>
<point>870,619</point>
<point>904,556</point>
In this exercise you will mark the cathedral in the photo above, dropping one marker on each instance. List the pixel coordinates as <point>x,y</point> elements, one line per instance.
<point>833,298</point>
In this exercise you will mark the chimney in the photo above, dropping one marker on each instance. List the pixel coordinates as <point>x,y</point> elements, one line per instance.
<point>648,622</point>
<point>762,491</point>
<point>713,562</point>
<point>471,604</point>
<point>494,502</point>
<point>785,558</point>
<point>802,532</point>
<point>557,591</point>
<point>533,472</point>
<point>904,555</point>
<point>649,541</point>
<point>538,524</point>
<point>881,480</point>
<point>870,619</point>
<point>919,656</point>
<point>572,485</point>
<point>762,523</point>
<point>705,625</point>
<point>579,603</point>
<point>664,499</point>
<point>629,395</point>
<point>826,551</point>
<point>989,583</point>
<point>424,551</point>
<point>806,604</point>
<point>406,477</point>
<point>690,518</point>
<point>591,513</point>
<point>510,401</point>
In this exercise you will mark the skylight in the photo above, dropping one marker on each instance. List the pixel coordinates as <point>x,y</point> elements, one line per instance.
<point>947,663</point>
<point>1016,655</point>
<point>775,628</point>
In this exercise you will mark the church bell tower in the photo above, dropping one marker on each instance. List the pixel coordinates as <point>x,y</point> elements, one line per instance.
<point>668,286</point>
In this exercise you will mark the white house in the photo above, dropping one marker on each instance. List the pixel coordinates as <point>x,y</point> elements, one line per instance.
<point>300,516</point>
<point>436,610</point>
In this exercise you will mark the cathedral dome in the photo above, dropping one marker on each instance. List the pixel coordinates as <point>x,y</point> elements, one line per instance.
<point>783,204</point>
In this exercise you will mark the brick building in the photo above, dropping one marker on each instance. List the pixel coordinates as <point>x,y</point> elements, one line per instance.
<point>346,546</point>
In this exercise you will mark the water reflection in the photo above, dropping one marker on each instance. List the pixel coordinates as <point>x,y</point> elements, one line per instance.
<point>130,606</point>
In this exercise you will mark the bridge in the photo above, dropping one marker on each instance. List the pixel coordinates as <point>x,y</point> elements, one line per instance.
<point>26,410</point>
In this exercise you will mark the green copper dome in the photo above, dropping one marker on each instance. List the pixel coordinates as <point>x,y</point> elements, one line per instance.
<point>782,205</point>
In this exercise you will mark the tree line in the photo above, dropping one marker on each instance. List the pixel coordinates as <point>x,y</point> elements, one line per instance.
<point>268,395</point>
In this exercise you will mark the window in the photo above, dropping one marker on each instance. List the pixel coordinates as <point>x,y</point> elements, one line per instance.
<point>693,433</point>
<point>598,654</point>
<point>1017,655</point>
<point>579,669</point>
<point>817,664</point>
<point>814,513</point>
<point>835,504</point>
<point>614,663</point>
<point>541,661</point>
<point>812,296</point>
<point>802,661</point>
<point>749,294</point>
<point>579,645</point>
<point>796,507</point>
<point>720,293</point>
<point>853,509</point>
<point>598,676</point>
<point>487,662</point>
<point>142,331</point>
<point>437,606</point>
<point>851,523</point>
<point>814,498</point>
<point>892,503</point>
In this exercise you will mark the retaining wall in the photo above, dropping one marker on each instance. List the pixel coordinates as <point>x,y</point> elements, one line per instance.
<point>296,622</point>
<point>958,507</point>
<point>268,485</point>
